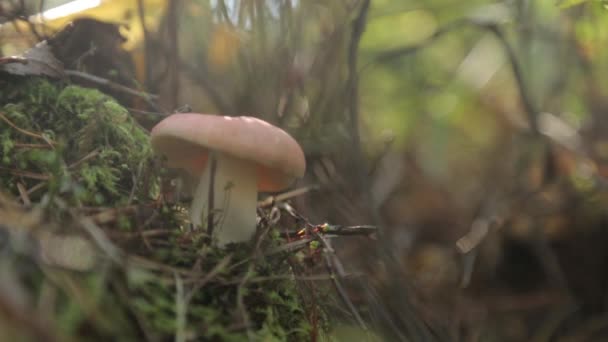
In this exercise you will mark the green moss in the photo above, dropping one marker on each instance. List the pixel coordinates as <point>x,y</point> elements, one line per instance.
<point>97,148</point>
<point>275,307</point>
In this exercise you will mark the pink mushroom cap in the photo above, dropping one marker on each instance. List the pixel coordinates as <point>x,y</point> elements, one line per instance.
<point>186,139</point>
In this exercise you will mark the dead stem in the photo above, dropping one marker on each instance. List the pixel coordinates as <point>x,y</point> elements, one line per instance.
<point>23,194</point>
<point>31,146</point>
<point>12,59</point>
<point>103,81</point>
<point>25,132</point>
<point>149,233</point>
<point>88,157</point>
<point>240,302</point>
<point>36,188</point>
<point>318,277</point>
<point>522,87</point>
<point>161,267</point>
<point>136,177</point>
<point>199,282</point>
<point>26,174</point>
<point>334,266</point>
<point>110,215</point>
<point>181,310</point>
<point>271,200</point>
<point>146,35</point>
<point>173,52</point>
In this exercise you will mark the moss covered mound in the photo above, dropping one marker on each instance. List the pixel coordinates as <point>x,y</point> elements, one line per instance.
<point>71,140</point>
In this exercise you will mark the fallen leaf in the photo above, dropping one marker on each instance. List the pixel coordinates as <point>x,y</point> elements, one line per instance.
<point>37,61</point>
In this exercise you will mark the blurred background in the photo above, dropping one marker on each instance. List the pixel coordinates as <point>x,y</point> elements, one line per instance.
<point>471,133</point>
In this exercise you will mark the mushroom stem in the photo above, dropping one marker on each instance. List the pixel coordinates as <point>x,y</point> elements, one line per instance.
<point>234,199</point>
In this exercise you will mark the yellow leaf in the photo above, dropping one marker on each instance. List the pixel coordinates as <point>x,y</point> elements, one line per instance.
<point>224,46</point>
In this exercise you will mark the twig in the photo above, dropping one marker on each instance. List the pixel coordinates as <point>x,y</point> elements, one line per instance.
<point>23,194</point>
<point>31,146</point>
<point>479,230</point>
<point>224,12</point>
<point>12,59</point>
<point>142,22</point>
<point>181,310</point>
<point>86,158</point>
<point>113,85</point>
<point>332,264</point>
<point>211,196</point>
<point>352,86</point>
<point>200,282</point>
<point>26,174</point>
<point>25,132</point>
<point>350,230</point>
<point>110,214</point>
<point>240,302</point>
<point>306,278</point>
<point>529,107</point>
<point>102,241</point>
<point>135,178</point>
<point>147,113</point>
<point>158,266</point>
<point>375,163</point>
<point>145,233</point>
<point>268,201</point>
<point>125,297</point>
<point>290,247</point>
<point>172,27</point>
<point>36,188</point>
<point>339,230</point>
<point>468,266</point>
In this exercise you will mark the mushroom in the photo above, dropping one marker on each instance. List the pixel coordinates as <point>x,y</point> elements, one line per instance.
<point>247,154</point>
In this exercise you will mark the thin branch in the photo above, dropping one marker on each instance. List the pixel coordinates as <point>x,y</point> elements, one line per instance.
<point>13,59</point>
<point>358,27</point>
<point>240,302</point>
<point>224,11</point>
<point>339,230</point>
<point>181,310</point>
<point>172,28</point>
<point>527,102</point>
<point>333,265</point>
<point>25,198</point>
<point>271,200</point>
<point>112,85</point>
<point>142,22</point>
<point>199,282</point>
<point>25,132</point>
<point>26,174</point>
<point>89,156</point>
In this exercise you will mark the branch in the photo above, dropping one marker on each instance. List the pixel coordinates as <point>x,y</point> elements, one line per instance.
<point>141,16</point>
<point>327,229</point>
<point>353,81</point>
<point>528,104</point>
<point>172,30</point>
<point>110,84</point>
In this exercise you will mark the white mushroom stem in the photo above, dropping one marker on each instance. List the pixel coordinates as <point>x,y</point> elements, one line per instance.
<point>234,199</point>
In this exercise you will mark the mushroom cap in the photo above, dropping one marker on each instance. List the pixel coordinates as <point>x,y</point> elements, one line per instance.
<point>187,138</point>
